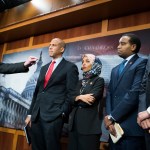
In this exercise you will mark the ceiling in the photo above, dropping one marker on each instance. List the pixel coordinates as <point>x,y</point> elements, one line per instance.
<point>7,4</point>
<point>71,19</point>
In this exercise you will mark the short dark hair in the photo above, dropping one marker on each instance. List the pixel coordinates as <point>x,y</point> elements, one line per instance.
<point>134,39</point>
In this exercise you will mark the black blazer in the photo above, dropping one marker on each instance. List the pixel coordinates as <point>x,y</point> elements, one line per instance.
<point>55,99</point>
<point>87,116</point>
<point>12,68</point>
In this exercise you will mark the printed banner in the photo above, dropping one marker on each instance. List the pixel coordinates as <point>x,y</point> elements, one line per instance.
<point>16,90</point>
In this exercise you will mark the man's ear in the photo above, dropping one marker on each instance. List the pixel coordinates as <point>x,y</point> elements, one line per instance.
<point>133,47</point>
<point>62,49</point>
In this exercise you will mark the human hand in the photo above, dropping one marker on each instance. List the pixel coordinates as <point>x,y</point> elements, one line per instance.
<point>28,121</point>
<point>112,130</point>
<point>145,124</point>
<point>87,98</point>
<point>107,122</point>
<point>142,116</point>
<point>30,61</point>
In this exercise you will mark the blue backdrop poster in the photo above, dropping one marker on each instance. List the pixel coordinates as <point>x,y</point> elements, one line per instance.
<point>16,90</point>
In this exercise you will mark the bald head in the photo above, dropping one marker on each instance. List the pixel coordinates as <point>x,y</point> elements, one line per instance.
<point>56,48</point>
<point>60,41</point>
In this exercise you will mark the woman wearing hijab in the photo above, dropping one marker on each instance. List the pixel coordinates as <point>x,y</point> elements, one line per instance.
<point>84,122</point>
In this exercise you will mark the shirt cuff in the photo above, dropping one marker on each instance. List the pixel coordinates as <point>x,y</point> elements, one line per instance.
<point>148,109</point>
<point>29,116</point>
<point>112,117</point>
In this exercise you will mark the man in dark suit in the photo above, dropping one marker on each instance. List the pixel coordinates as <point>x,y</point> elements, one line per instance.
<point>122,95</point>
<point>51,103</point>
<point>144,105</point>
<point>17,67</point>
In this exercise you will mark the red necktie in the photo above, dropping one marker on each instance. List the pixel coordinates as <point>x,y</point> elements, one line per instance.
<point>49,73</point>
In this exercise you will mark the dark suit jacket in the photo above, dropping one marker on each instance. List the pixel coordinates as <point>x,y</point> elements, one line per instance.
<point>122,95</point>
<point>87,116</point>
<point>12,68</point>
<point>144,97</point>
<point>55,99</point>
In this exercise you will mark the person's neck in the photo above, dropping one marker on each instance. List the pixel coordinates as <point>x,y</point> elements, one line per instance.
<point>54,58</point>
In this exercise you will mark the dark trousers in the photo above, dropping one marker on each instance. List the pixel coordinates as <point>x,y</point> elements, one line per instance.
<point>129,143</point>
<point>79,141</point>
<point>83,142</point>
<point>46,135</point>
<point>147,140</point>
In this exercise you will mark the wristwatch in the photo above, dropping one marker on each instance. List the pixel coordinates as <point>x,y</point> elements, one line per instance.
<point>111,118</point>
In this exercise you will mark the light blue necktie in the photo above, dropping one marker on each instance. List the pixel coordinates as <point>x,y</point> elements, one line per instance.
<point>121,67</point>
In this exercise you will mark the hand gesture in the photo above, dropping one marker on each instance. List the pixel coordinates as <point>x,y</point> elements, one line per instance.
<point>30,61</point>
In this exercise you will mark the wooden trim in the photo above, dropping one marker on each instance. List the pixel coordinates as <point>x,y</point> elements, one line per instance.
<point>54,14</point>
<point>129,29</point>
<point>3,51</point>
<point>18,50</point>
<point>5,47</point>
<point>15,139</point>
<point>7,130</point>
<point>104,26</point>
<point>86,37</point>
<point>31,41</point>
<point>113,32</point>
<point>15,133</point>
<point>26,48</point>
<point>18,44</point>
<point>20,132</point>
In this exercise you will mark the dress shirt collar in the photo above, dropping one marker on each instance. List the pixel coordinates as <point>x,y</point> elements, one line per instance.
<point>58,60</point>
<point>129,58</point>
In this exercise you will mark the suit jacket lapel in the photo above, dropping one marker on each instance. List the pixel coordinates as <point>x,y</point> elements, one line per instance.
<point>128,65</point>
<point>55,72</point>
